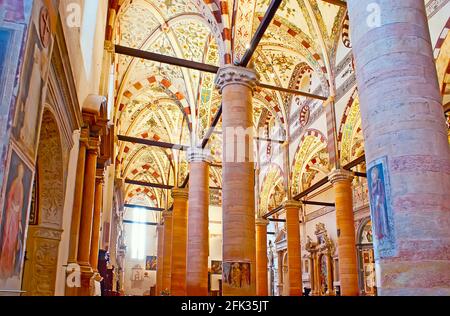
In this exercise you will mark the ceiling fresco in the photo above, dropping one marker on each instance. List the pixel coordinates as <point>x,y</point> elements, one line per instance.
<point>177,105</point>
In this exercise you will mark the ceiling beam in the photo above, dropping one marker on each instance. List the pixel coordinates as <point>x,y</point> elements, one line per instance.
<point>148,208</point>
<point>132,52</point>
<point>151,143</point>
<point>140,223</point>
<point>149,185</point>
<point>318,203</point>
<point>337,2</point>
<point>267,19</point>
<point>295,92</point>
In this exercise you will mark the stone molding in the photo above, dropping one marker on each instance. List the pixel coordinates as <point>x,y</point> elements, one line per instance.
<point>261,222</point>
<point>230,75</point>
<point>180,193</point>
<point>291,204</point>
<point>198,155</point>
<point>340,175</point>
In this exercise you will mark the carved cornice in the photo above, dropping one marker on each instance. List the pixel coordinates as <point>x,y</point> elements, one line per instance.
<point>291,204</point>
<point>231,75</point>
<point>180,194</point>
<point>261,222</point>
<point>198,155</point>
<point>340,175</point>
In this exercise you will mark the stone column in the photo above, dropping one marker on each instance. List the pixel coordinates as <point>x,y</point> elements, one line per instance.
<point>261,257</point>
<point>330,286</point>
<point>407,152</point>
<point>72,261</point>
<point>179,241</point>
<point>345,225</point>
<point>160,259</point>
<point>295,284</point>
<point>239,255</point>
<point>280,274</point>
<point>87,213</point>
<point>98,203</point>
<point>167,252</point>
<point>198,223</point>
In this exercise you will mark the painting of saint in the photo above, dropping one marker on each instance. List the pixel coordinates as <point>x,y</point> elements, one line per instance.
<point>237,274</point>
<point>14,218</point>
<point>150,263</point>
<point>379,197</point>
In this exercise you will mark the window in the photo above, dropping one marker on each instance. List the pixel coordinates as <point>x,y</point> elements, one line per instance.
<point>87,32</point>
<point>138,234</point>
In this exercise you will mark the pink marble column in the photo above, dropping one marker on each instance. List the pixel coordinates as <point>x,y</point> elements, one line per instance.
<point>198,224</point>
<point>405,134</point>
<point>238,200</point>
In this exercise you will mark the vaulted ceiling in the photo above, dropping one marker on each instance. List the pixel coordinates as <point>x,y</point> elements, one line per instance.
<point>176,105</point>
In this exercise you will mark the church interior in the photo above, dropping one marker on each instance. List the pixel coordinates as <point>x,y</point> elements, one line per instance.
<point>224,148</point>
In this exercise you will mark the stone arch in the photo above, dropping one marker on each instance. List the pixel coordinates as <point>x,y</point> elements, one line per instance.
<point>350,137</point>
<point>45,228</point>
<point>312,143</point>
<point>271,180</point>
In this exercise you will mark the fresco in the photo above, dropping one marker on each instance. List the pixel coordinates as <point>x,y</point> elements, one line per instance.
<point>13,220</point>
<point>381,209</point>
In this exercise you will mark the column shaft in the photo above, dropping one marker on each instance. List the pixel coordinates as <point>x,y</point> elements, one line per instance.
<point>95,240</point>
<point>238,197</point>
<point>345,225</point>
<point>179,241</point>
<point>198,227</point>
<point>160,260</point>
<point>261,258</point>
<point>407,152</point>
<point>293,248</point>
<point>167,252</point>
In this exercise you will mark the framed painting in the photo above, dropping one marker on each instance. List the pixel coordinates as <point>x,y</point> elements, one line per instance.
<point>14,217</point>
<point>216,267</point>
<point>150,263</point>
<point>383,233</point>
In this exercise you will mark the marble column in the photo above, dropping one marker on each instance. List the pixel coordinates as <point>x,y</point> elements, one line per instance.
<point>167,252</point>
<point>238,198</point>
<point>346,235</point>
<point>98,203</point>
<point>160,259</point>
<point>407,152</point>
<point>198,223</point>
<point>179,241</point>
<point>295,285</point>
<point>261,258</point>
<point>280,274</point>
<point>72,265</point>
<point>87,213</point>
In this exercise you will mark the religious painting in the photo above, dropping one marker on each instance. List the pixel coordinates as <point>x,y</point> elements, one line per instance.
<point>33,82</point>
<point>237,274</point>
<point>381,209</point>
<point>150,263</point>
<point>216,267</point>
<point>13,219</point>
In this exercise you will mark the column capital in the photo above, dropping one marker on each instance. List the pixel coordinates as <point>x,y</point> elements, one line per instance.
<point>196,154</point>
<point>261,222</point>
<point>291,204</point>
<point>166,214</point>
<point>340,175</point>
<point>93,145</point>
<point>230,75</point>
<point>180,193</point>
